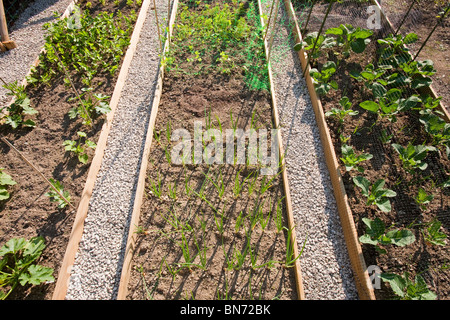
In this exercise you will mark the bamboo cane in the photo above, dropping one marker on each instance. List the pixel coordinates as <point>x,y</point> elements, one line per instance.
<point>37,170</point>
<point>4,36</point>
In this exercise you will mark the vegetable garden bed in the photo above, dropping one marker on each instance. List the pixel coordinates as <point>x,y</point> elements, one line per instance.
<point>213,229</point>
<point>391,139</point>
<point>55,122</point>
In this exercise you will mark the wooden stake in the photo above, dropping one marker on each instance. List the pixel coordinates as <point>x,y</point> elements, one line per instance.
<point>157,26</point>
<point>37,170</point>
<point>7,43</point>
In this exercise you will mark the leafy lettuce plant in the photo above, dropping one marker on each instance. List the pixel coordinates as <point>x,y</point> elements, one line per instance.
<point>377,235</point>
<point>376,194</point>
<point>406,289</point>
<point>18,264</point>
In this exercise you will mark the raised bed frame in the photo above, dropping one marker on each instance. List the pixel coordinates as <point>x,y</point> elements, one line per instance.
<point>362,278</point>
<point>122,293</point>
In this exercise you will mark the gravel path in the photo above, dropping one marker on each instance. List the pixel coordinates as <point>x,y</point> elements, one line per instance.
<point>98,263</point>
<point>28,34</point>
<point>325,265</point>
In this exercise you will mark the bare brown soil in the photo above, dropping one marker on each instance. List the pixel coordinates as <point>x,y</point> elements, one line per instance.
<point>159,269</point>
<point>29,212</point>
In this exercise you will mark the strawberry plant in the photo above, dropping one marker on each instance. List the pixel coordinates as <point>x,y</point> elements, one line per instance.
<point>377,235</point>
<point>406,289</point>
<point>18,264</point>
<point>90,105</point>
<point>412,156</point>
<point>375,193</point>
<point>5,181</point>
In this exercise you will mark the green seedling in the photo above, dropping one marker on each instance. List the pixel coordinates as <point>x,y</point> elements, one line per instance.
<point>321,79</point>
<point>412,156</point>
<point>377,235</point>
<point>56,197</point>
<point>239,221</point>
<point>219,184</point>
<point>279,216</point>
<point>405,289</point>
<point>433,236</point>
<point>351,160</point>
<point>77,147</point>
<point>385,137</point>
<point>237,188</point>
<point>375,193</point>
<point>422,198</point>
<point>5,181</point>
<point>342,113</point>
<point>173,191</point>
<point>394,50</point>
<point>18,264</point>
<point>437,127</point>
<point>290,258</point>
<point>155,186</point>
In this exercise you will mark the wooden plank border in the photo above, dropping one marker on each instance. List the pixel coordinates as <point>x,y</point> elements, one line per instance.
<point>77,229</point>
<point>362,279</point>
<point>289,210</point>
<point>131,242</point>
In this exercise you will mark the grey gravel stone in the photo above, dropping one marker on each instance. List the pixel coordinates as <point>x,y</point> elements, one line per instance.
<point>325,265</point>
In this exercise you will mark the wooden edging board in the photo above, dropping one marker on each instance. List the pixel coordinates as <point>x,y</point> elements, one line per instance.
<point>361,276</point>
<point>77,229</point>
<point>131,242</point>
<point>425,90</point>
<point>287,193</point>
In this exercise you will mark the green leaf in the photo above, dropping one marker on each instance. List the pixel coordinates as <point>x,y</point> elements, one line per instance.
<point>6,179</point>
<point>371,106</point>
<point>410,38</point>
<point>34,248</point>
<point>402,237</point>
<point>36,274</point>
<point>83,158</point>
<point>13,246</point>
<point>358,46</point>
<point>384,205</point>
<point>397,283</point>
<point>363,183</point>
